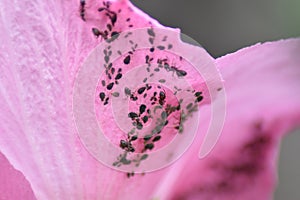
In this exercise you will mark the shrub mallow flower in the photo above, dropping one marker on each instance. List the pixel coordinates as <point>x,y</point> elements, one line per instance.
<point>42,156</point>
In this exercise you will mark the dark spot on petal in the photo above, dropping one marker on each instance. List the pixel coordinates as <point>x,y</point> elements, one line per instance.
<point>102,96</point>
<point>110,86</point>
<point>156,138</point>
<point>141,90</point>
<point>142,108</point>
<point>118,76</point>
<point>127,60</point>
<point>149,146</point>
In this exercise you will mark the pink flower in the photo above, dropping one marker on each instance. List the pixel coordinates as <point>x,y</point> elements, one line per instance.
<point>42,157</point>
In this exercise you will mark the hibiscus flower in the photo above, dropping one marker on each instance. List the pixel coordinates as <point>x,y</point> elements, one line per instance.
<point>45,154</point>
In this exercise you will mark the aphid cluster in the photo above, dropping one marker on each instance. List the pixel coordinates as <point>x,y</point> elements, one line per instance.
<point>156,97</point>
<point>107,34</point>
<point>82,9</point>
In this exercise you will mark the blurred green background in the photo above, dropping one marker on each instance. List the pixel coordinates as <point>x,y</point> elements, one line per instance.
<point>223,27</point>
<point>226,26</point>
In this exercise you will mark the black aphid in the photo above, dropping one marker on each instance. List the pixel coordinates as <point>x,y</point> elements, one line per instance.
<point>199,98</point>
<point>151,40</point>
<point>156,138</point>
<point>102,96</point>
<point>162,95</point>
<point>133,138</point>
<point>145,119</point>
<point>118,76</point>
<point>164,115</point>
<point>141,90</point>
<point>132,115</point>
<point>161,47</point>
<point>110,86</point>
<point>151,32</point>
<point>142,108</point>
<point>147,137</point>
<point>149,146</point>
<point>113,17</point>
<point>109,27</point>
<point>116,94</point>
<point>127,60</point>
<point>82,9</point>
<point>113,70</point>
<point>96,32</point>
<point>181,73</point>
<point>127,91</point>
<point>114,34</point>
<point>197,94</point>
<point>139,125</point>
<point>123,144</point>
<point>133,98</point>
<point>145,156</point>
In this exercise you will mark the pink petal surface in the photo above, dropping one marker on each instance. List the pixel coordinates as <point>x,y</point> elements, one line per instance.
<point>13,184</point>
<point>262,88</point>
<point>42,47</point>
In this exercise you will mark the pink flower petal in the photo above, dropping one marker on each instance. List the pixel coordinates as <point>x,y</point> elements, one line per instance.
<point>43,46</point>
<point>13,184</point>
<point>262,88</point>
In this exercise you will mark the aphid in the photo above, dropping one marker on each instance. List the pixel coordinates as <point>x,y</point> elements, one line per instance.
<point>118,76</point>
<point>123,144</point>
<point>112,70</point>
<point>127,91</point>
<point>98,33</point>
<point>109,27</point>
<point>102,96</point>
<point>113,17</point>
<point>82,9</point>
<point>141,90</point>
<point>127,146</point>
<point>156,138</point>
<point>130,174</point>
<point>161,47</point>
<point>106,101</point>
<point>147,137</point>
<point>114,34</point>
<point>151,32</point>
<point>149,146</point>
<point>116,94</point>
<point>181,73</point>
<point>126,60</point>
<point>144,156</point>
<point>142,108</point>
<point>132,115</point>
<point>110,86</point>
<point>139,125</point>
<point>145,119</point>
<point>133,98</point>
<point>162,97</point>
<point>199,98</point>
<point>197,94</point>
<point>133,138</point>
